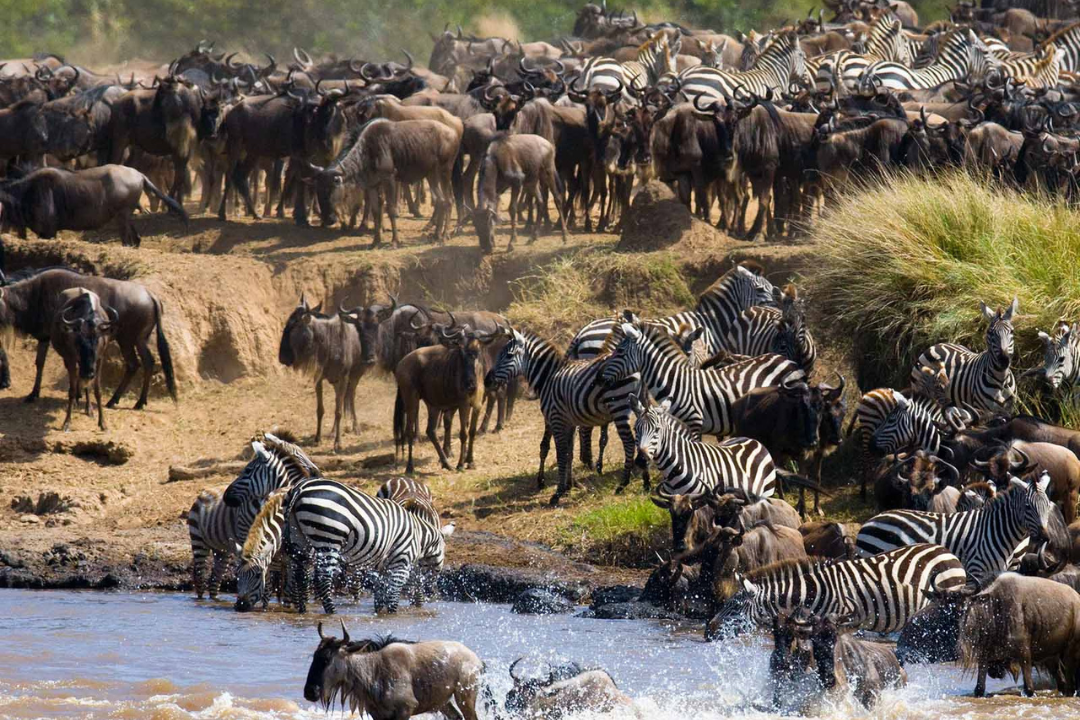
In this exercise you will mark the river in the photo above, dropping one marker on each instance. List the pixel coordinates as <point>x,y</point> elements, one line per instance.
<point>165,656</point>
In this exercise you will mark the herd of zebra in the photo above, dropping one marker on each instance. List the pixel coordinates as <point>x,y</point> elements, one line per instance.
<point>738,368</point>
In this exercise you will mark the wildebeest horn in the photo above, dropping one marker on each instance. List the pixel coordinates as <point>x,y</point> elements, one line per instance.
<point>616,92</point>
<point>66,321</point>
<point>1025,461</point>
<point>412,321</point>
<point>522,69</point>
<point>839,389</point>
<point>113,315</point>
<point>302,57</point>
<point>229,63</point>
<point>409,60</point>
<point>321,636</point>
<point>344,632</point>
<point>343,311</point>
<point>366,75</point>
<point>513,665</point>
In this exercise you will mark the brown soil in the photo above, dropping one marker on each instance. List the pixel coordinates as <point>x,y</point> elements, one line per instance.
<point>227,290</point>
<point>657,220</point>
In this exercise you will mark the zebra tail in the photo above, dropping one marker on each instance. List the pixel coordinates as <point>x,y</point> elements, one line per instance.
<point>791,479</point>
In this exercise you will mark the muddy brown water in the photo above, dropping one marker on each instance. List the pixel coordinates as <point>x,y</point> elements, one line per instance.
<point>166,656</point>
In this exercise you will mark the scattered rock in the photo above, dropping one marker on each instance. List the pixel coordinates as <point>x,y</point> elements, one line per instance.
<point>110,452</point>
<point>615,594</point>
<point>486,583</point>
<point>634,610</point>
<point>541,601</point>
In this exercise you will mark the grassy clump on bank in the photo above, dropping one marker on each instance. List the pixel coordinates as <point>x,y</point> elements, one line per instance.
<point>557,299</point>
<point>904,264</point>
<point>626,529</point>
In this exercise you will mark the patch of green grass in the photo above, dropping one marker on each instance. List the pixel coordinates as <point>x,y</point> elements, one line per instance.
<point>625,530</point>
<point>905,263</point>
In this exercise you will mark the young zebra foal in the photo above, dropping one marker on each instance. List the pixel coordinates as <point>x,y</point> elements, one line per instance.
<point>519,162</point>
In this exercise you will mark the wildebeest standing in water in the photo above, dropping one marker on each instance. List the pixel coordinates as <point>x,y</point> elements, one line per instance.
<point>332,349</point>
<point>80,332</point>
<point>391,679</point>
<point>52,199</point>
<point>30,299</point>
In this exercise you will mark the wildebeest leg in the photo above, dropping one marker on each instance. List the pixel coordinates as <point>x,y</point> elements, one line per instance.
<point>39,363</point>
<point>318,410</point>
<point>763,193</point>
<point>180,178</point>
<point>474,415</point>
<point>433,419</point>
<point>240,179</point>
<point>391,210</point>
<point>374,201</point>
<point>148,372</point>
<point>350,398</point>
<point>489,401</point>
<point>273,186</point>
<point>448,425</point>
<point>564,454</point>
<point>131,366</point>
<point>97,399</point>
<point>515,191</point>
<point>340,389</point>
<point>551,180</point>
<point>545,448</point>
<point>1025,670</point>
<point>463,413</point>
<point>73,392</point>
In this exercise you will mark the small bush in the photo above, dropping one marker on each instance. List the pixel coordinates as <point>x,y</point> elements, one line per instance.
<point>905,262</point>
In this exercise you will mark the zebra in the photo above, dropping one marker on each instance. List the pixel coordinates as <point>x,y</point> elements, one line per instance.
<point>570,397</point>
<point>691,467</point>
<point>979,381</point>
<point>414,496</point>
<point>260,552</point>
<point>881,592</point>
<point>338,526</point>
<point>962,56</point>
<point>653,65</point>
<point>1068,39</point>
<point>717,310</point>
<point>212,531</point>
<point>655,62</point>
<point>985,540</point>
<point>701,399</point>
<point>759,330</point>
<point>1061,361</point>
<point>219,524</point>
<point>887,41</point>
<point>782,62</point>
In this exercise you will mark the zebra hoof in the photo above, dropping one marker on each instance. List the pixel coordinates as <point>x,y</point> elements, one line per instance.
<point>555,499</point>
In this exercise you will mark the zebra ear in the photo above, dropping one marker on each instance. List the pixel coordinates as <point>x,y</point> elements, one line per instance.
<point>1044,337</point>
<point>636,406</point>
<point>1008,316</point>
<point>987,312</point>
<point>260,450</point>
<point>665,405</point>
<point>901,401</point>
<point>1043,483</point>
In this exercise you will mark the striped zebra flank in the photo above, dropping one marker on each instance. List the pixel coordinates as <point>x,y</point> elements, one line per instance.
<point>880,592</point>
<point>212,532</point>
<point>276,464</point>
<point>1068,40</point>
<point>570,397</point>
<point>338,526</point>
<point>691,467</point>
<point>962,55</point>
<point>978,381</point>
<point>985,540</point>
<point>760,330</point>
<point>886,42</point>
<point>1039,70</point>
<point>780,64</point>
<point>701,399</point>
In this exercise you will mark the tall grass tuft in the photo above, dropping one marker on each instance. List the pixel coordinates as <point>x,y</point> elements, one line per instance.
<point>906,261</point>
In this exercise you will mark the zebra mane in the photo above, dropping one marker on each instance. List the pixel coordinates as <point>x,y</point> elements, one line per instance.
<point>655,41</point>
<point>715,289</point>
<point>800,564</point>
<point>292,455</point>
<point>558,349</point>
<point>1053,39</point>
<point>262,522</point>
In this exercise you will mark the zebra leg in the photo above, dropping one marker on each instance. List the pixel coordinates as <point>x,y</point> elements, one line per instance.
<point>564,453</point>
<point>299,588</point>
<point>626,434</point>
<point>603,446</point>
<point>489,404</point>
<point>394,579</point>
<point>585,451</point>
<point>217,573</point>
<point>327,567</point>
<point>200,555</point>
<point>545,448</point>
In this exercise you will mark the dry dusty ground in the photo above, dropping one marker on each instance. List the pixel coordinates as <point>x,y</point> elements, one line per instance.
<point>227,291</point>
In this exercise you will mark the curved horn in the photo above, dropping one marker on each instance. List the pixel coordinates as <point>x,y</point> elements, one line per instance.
<point>321,636</point>
<point>409,60</point>
<point>344,632</point>
<point>230,64</point>
<point>113,315</point>
<point>514,665</point>
<point>1025,461</point>
<point>366,76</point>
<point>343,311</point>
<point>412,321</point>
<point>948,466</point>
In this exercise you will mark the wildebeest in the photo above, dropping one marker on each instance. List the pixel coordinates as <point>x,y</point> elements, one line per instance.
<point>844,662</point>
<point>23,131</point>
<point>522,163</point>
<point>1022,621</point>
<point>1059,462</point>
<point>391,679</point>
<point>53,199</point>
<point>920,481</point>
<point>30,303</point>
<point>567,689</point>
<point>387,153</point>
<point>827,539</point>
<point>80,332</point>
<point>446,378</point>
<point>693,517</point>
<point>332,349</point>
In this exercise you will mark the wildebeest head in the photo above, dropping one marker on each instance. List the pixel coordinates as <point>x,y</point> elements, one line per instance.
<point>999,334</point>
<point>329,651</point>
<point>367,321</point>
<point>833,409</point>
<point>33,125</point>
<point>297,339</point>
<point>1001,462</point>
<point>920,476</point>
<point>86,330</point>
<point>525,689</point>
<point>806,405</point>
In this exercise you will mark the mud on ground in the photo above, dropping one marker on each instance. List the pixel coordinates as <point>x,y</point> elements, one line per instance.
<point>97,509</point>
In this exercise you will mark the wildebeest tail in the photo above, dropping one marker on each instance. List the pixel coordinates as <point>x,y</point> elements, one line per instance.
<point>164,353</point>
<point>791,479</point>
<point>399,421</point>
<point>174,207</point>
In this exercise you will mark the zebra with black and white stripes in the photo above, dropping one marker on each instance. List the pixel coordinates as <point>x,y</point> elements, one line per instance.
<point>881,592</point>
<point>760,330</point>
<point>1061,359</point>
<point>260,552</point>
<point>337,526</point>
<point>885,42</point>
<point>701,399</point>
<point>963,56</point>
<point>691,467</point>
<point>415,496</point>
<point>570,397</point>
<point>1040,69</point>
<point>653,65</point>
<point>1068,39</point>
<point>218,524</point>
<point>780,64</point>
<point>979,381</point>
<point>985,539</point>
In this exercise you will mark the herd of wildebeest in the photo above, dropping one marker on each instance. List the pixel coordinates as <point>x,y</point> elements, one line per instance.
<point>970,557</point>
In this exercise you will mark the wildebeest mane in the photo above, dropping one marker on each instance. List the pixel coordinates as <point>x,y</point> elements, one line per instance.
<point>377,643</point>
